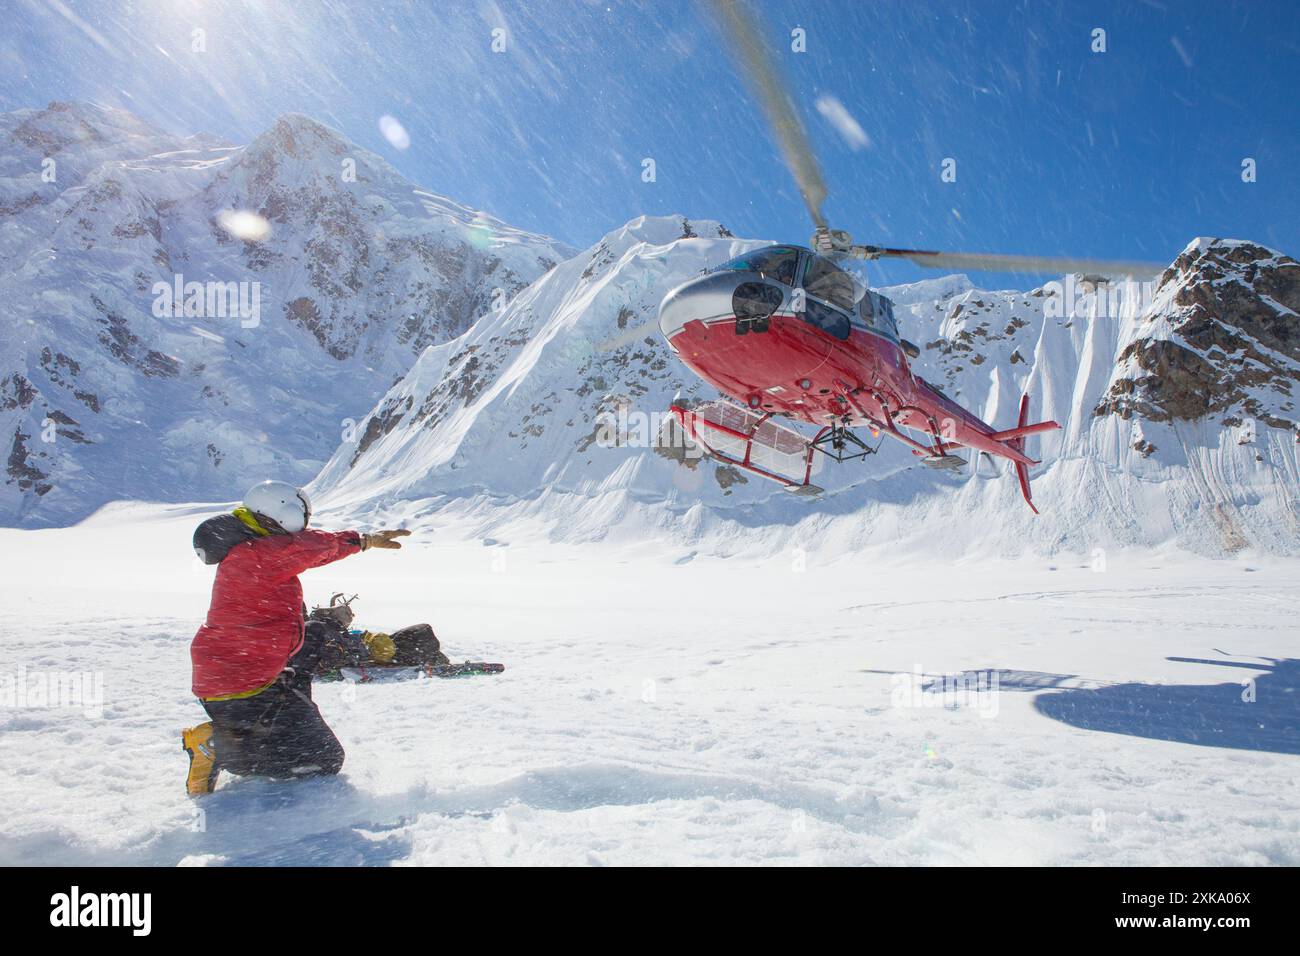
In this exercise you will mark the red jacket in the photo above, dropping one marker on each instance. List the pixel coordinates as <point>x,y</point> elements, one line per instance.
<point>255,622</point>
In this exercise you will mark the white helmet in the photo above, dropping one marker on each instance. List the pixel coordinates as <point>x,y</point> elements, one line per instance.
<point>287,506</point>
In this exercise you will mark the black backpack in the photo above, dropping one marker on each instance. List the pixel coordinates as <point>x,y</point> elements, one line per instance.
<point>417,646</point>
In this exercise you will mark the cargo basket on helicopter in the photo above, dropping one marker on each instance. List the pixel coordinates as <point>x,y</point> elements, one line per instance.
<point>753,441</point>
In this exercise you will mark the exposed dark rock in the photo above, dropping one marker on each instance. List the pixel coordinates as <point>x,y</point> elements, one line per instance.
<point>125,346</point>
<point>727,475</point>
<point>1236,332</point>
<point>21,469</point>
<point>16,392</point>
<point>377,426</point>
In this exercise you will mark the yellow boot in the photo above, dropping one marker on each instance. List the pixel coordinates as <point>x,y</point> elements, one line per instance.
<point>198,743</point>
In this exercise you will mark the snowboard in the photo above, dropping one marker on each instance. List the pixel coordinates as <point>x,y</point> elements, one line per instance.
<point>381,674</point>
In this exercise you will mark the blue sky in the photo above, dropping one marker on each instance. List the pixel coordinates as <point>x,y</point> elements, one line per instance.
<point>1128,153</point>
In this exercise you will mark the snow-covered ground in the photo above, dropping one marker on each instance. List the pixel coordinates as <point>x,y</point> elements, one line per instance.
<point>662,706</point>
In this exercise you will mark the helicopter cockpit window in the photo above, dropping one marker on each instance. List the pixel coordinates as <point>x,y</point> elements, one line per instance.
<point>825,281</point>
<point>775,262</point>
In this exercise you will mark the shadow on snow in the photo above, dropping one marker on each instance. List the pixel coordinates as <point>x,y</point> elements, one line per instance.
<point>1263,716</point>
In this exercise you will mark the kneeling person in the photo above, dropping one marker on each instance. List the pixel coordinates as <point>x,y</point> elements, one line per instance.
<point>246,655</point>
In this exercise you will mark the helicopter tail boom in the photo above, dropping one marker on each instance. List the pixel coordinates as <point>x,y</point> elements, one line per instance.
<point>969,431</point>
<point>1024,430</point>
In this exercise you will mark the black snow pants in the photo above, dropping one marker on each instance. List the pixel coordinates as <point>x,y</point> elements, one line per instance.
<point>278,732</point>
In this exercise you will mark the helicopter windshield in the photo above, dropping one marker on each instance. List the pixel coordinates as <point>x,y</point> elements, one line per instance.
<point>775,262</point>
<point>832,284</point>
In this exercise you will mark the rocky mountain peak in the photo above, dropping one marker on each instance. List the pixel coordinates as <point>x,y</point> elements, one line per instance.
<point>1221,337</point>
<point>299,136</point>
<point>1232,285</point>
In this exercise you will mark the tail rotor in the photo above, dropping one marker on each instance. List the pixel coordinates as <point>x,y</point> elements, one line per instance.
<point>1018,443</point>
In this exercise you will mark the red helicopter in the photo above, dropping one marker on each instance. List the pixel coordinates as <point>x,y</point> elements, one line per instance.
<point>787,333</point>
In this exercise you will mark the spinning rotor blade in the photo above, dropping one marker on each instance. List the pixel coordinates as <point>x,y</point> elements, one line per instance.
<point>757,61</point>
<point>758,65</point>
<point>992,262</point>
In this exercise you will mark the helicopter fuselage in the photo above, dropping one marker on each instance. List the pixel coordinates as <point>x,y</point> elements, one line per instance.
<point>785,332</point>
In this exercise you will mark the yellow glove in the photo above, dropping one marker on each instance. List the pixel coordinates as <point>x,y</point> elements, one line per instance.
<point>383,539</point>
<point>381,647</point>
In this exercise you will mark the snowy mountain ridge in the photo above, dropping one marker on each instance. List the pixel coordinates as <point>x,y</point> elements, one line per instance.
<point>108,393</point>
<point>499,424</point>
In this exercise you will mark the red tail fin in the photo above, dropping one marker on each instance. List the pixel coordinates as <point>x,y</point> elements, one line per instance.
<point>1018,443</point>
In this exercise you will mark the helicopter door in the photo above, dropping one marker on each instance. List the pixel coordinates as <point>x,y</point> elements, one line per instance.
<point>829,295</point>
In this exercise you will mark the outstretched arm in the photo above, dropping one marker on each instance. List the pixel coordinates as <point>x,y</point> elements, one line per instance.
<point>285,556</point>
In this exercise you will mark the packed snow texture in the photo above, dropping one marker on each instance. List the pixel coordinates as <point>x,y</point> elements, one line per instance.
<point>663,706</point>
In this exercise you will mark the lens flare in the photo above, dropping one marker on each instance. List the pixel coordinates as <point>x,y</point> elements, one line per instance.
<point>244,224</point>
<point>394,132</point>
